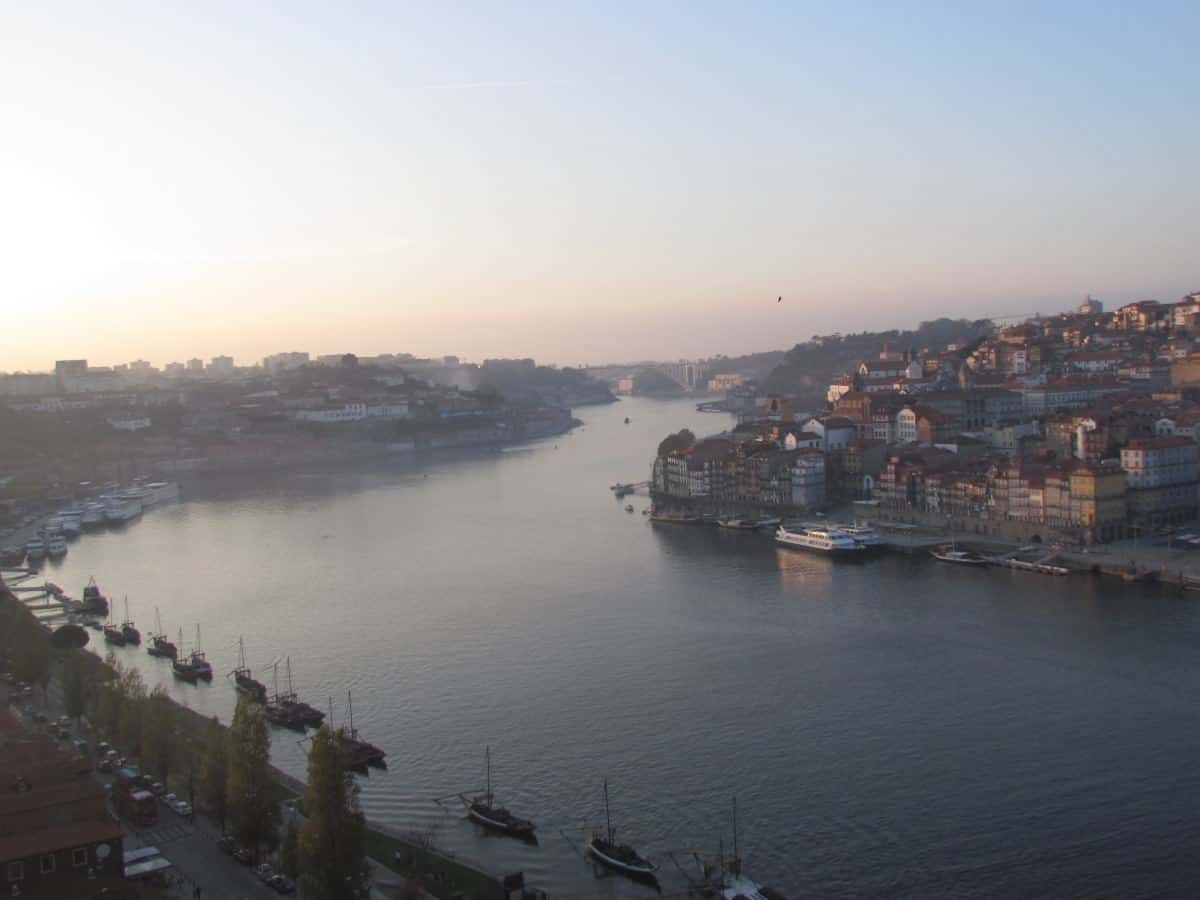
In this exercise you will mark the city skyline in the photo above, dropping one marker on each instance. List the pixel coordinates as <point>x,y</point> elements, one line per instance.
<point>584,185</point>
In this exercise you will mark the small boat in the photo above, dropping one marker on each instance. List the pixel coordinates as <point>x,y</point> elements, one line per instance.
<point>960,557</point>
<point>628,507</point>
<point>627,420</point>
<point>604,849</point>
<point>113,634</point>
<point>132,635</point>
<point>199,663</point>
<point>769,522</point>
<point>243,682</point>
<point>159,645</point>
<point>35,549</point>
<point>56,546</point>
<point>12,556</point>
<point>483,809</point>
<point>737,524</point>
<point>181,666</point>
<point>361,753</point>
<point>93,600</point>
<point>675,518</point>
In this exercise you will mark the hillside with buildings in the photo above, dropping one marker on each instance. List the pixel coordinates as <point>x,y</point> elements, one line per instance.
<point>1083,426</point>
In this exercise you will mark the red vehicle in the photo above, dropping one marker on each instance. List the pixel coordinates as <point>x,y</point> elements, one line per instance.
<point>132,801</point>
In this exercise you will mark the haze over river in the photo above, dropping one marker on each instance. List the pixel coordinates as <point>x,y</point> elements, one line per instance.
<point>891,729</point>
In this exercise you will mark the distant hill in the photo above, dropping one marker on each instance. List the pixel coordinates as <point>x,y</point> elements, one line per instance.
<point>807,368</point>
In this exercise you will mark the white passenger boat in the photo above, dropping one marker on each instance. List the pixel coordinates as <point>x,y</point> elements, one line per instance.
<point>122,508</point>
<point>864,535</point>
<point>157,492</point>
<point>56,546</point>
<point>93,514</point>
<point>35,549</point>
<point>827,541</point>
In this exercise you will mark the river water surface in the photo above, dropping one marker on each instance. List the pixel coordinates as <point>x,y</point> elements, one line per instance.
<point>891,729</point>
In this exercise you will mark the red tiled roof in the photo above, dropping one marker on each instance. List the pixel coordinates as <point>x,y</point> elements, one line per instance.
<point>64,837</point>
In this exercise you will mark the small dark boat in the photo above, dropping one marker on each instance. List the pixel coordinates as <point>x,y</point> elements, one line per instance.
<point>199,663</point>
<point>159,645</point>
<point>243,680</point>
<point>483,809</point>
<point>181,666</point>
<point>114,635</point>
<point>132,635</point>
<point>93,600</point>
<point>12,556</point>
<point>605,849</point>
<point>361,753</point>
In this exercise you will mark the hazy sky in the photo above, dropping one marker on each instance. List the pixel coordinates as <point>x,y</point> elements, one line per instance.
<point>580,182</point>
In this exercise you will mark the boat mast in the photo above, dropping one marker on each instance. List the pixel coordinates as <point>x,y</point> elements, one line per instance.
<point>197,650</point>
<point>291,693</point>
<point>607,818</point>
<point>350,712</point>
<point>126,622</point>
<point>275,672</point>
<point>735,865</point>
<point>487,755</point>
<point>158,623</point>
<point>241,654</point>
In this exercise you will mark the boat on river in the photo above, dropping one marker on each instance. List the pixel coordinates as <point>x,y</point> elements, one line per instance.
<point>93,600</point>
<point>737,524</point>
<point>605,849</point>
<point>244,681</point>
<point>35,549</point>
<point>159,645</point>
<point>12,556</point>
<point>132,635</point>
<point>113,633</point>
<point>960,557</point>
<point>360,753</point>
<point>484,810</point>
<point>181,666</point>
<point>198,661</point>
<point>818,539</point>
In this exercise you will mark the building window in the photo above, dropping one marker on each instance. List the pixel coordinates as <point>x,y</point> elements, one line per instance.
<point>79,856</point>
<point>16,871</point>
<point>47,864</point>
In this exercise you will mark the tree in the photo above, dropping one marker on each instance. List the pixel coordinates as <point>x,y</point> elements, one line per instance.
<point>332,840</point>
<point>74,686</point>
<point>680,440</point>
<point>249,795</point>
<point>159,740</point>
<point>289,854</point>
<point>215,774</point>
<point>132,688</point>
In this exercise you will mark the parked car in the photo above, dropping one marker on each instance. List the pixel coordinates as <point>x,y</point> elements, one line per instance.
<point>170,799</point>
<point>39,717</point>
<point>103,747</point>
<point>183,808</point>
<point>156,788</point>
<point>242,855</point>
<point>282,884</point>
<point>226,845</point>
<point>264,872</point>
<point>104,766</point>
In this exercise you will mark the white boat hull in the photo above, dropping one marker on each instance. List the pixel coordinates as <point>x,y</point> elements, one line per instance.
<point>644,871</point>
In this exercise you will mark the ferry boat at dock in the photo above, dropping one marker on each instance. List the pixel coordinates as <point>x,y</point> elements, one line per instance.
<point>122,508</point>
<point>56,546</point>
<point>864,535</point>
<point>199,662</point>
<point>92,516</point>
<point>35,549</point>
<point>826,541</point>
<point>181,666</point>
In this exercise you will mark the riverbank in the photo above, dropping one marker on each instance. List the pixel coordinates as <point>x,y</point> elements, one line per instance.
<point>403,858</point>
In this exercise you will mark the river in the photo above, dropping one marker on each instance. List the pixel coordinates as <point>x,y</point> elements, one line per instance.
<point>890,729</point>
